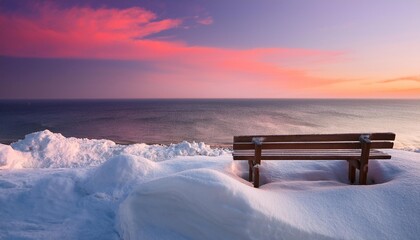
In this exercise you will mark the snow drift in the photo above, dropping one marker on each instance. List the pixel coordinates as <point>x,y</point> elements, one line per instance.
<point>52,150</point>
<point>55,187</point>
<point>216,205</point>
<point>179,206</point>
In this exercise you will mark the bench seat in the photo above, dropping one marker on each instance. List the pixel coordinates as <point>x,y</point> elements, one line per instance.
<point>308,155</point>
<point>356,148</point>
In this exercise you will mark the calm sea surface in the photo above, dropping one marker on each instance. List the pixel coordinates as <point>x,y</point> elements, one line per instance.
<point>211,121</point>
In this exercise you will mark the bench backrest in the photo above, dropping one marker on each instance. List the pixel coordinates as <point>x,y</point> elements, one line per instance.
<point>314,141</point>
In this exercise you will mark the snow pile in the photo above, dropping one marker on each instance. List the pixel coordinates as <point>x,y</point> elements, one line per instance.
<point>49,149</point>
<point>204,204</point>
<point>162,152</point>
<point>308,202</point>
<point>73,188</point>
<point>52,150</point>
<point>118,174</point>
<point>10,158</point>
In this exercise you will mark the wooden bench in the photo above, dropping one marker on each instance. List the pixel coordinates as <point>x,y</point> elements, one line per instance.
<point>356,148</point>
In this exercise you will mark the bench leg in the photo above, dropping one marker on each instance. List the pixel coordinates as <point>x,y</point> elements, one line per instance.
<point>251,166</point>
<point>256,176</point>
<point>364,159</point>
<point>363,174</point>
<point>352,173</point>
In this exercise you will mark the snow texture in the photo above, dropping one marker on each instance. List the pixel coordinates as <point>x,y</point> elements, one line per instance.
<point>52,150</point>
<point>53,187</point>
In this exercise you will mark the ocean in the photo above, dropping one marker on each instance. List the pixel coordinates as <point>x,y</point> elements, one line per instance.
<point>213,121</point>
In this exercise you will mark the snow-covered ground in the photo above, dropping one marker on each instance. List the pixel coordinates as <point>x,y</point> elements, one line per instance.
<point>53,187</point>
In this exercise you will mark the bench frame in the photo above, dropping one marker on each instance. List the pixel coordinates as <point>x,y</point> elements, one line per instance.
<point>356,148</point>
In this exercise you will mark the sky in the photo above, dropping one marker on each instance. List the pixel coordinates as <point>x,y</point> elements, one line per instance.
<point>91,49</point>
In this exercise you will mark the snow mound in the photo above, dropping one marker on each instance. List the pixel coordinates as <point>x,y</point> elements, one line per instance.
<point>108,191</point>
<point>119,173</point>
<point>201,202</point>
<point>207,203</point>
<point>46,149</point>
<point>10,158</point>
<point>162,152</point>
<point>201,197</point>
<point>56,151</point>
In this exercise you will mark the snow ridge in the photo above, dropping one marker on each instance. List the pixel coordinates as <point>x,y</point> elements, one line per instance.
<point>46,149</point>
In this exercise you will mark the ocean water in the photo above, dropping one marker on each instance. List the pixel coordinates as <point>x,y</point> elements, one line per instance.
<point>211,121</point>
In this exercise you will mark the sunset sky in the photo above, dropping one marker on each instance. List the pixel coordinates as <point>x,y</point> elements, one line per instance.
<point>210,49</point>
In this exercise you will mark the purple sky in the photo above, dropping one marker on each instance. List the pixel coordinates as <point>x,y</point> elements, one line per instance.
<point>210,49</point>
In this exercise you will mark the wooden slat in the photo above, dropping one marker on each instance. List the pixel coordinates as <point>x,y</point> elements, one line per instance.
<point>323,145</point>
<point>310,157</point>
<point>267,151</point>
<point>309,154</point>
<point>356,148</point>
<point>306,153</point>
<point>337,156</point>
<point>317,137</point>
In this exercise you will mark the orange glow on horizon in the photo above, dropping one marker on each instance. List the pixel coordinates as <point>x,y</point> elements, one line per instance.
<point>120,34</point>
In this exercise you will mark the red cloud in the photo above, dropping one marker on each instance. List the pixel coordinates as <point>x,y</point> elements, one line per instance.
<point>77,32</point>
<point>120,34</point>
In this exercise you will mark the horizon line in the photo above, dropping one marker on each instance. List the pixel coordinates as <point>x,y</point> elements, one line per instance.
<point>297,98</point>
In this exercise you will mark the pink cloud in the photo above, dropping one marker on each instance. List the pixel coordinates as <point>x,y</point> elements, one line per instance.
<point>205,21</point>
<point>78,32</point>
<point>121,34</point>
<point>405,78</point>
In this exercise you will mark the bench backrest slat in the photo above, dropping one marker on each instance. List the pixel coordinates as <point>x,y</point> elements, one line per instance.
<point>356,148</point>
<point>308,145</point>
<point>316,137</point>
